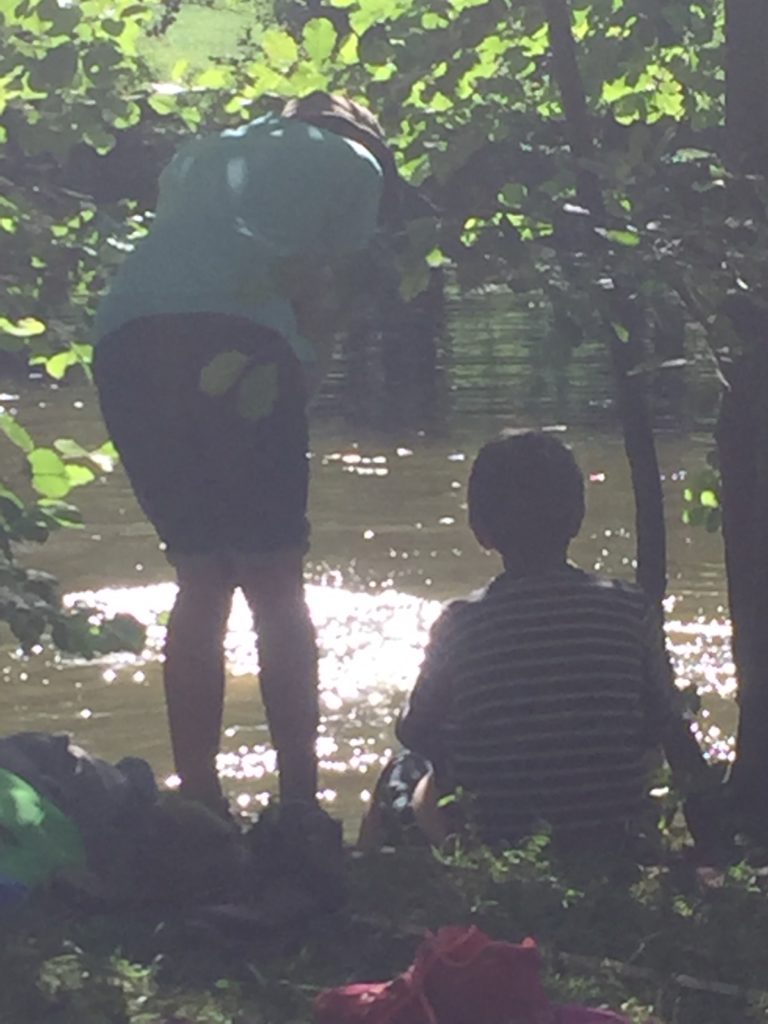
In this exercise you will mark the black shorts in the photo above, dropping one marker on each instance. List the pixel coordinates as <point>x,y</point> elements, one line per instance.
<point>210,476</point>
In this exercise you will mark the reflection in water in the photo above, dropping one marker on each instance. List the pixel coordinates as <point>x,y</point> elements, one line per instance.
<point>370,648</point>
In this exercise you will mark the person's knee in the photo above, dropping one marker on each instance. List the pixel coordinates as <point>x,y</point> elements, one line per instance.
<point>274,588</point>
<point>205,590</point>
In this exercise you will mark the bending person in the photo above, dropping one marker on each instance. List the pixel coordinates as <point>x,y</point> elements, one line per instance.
<point>204,374</point>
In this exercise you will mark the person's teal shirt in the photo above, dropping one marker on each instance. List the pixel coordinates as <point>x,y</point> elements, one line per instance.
<point>234,210</point>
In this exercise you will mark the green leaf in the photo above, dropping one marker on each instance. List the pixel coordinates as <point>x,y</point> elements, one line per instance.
<point>689,154</point>
<point>280,48</point>
<point>98,139</point>
<point>621,236</point>
<point>10,496</point>
<point>107,451</point>
<point>222,372</point>
<point>56,70</point>
<point>214,78</point>
<point>308,77</point>
<point>49,473</point>
<point>121,633</point>
<point>62,513</point>
<point>79,475</point>
<point>436,258</point>
<point>27,327</point>
<point>57,365</point>
<point>422,235</point>
<point>414,280</point>
<point>16,433</point>
<point>349,51</point>
<point>70,449</point>
<point>163,103</point>
<point>375,47</point>
<point>319,38</point>
<point>258,392</point>
<point>63,20</point>
<point>113,26</point>
<point>102,57</point>
<point>513,194</point>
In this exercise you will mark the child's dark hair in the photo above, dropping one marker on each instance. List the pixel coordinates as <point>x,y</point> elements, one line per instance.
<point>525,489</point>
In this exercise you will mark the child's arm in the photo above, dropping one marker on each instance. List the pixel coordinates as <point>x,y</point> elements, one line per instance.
<point>419,727</point>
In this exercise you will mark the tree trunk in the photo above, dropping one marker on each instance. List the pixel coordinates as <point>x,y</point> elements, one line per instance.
<point>742,440</point>
<point>746,98</point>
<point>626,356</point>
<point>640,447</point>
<point>742,432</point>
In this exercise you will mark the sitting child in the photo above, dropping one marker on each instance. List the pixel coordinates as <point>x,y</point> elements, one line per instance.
<point>542,698</point>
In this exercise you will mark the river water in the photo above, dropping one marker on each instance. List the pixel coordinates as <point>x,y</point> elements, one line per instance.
<point>390,543</point>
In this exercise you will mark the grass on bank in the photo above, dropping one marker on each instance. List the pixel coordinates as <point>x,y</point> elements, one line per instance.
<point>204,33</point>
<point>649,942</point>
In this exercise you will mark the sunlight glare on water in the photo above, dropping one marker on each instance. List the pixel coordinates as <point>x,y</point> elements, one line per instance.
<point>371,646</point>
<point>370,643</point>
<point>701,655</point>
<point>370,649</point>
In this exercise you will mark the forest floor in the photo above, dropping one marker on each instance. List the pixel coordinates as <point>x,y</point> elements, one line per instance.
<point>653,943</point>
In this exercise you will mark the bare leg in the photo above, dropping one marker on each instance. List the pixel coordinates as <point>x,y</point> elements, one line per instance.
<point>274,591</point>
<point>370,837</point>
<point>194,672</point>
<point>429,817</point>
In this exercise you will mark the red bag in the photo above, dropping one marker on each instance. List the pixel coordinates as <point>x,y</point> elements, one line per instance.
<point>459,976</point>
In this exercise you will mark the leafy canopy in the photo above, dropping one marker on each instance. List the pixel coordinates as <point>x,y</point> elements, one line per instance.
<point>92,105</point>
